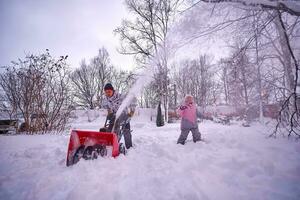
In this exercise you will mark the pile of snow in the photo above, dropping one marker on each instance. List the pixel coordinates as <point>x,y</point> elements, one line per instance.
<point>88,115</point>
<point>234,163</point>
<point>221,109</point>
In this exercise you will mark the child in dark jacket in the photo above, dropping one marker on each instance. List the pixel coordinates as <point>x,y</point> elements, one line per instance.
<point>112,101</point>
<point>188,113</point>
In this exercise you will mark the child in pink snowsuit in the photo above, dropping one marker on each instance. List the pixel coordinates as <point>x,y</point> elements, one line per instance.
<point>188,113</point>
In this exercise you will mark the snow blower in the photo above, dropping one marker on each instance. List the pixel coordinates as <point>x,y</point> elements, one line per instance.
<point>90,145</point>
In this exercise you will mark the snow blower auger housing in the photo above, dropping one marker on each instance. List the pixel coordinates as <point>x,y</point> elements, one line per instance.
<point>90,145</point>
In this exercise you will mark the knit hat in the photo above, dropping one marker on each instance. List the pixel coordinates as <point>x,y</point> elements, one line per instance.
<point>189,99</point>
<point>108,86</point>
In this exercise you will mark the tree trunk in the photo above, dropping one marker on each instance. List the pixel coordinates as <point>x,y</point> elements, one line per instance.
<point>244,82</point>
<point>286,56</point>
<point>225,81</point>
<point>260,99</point>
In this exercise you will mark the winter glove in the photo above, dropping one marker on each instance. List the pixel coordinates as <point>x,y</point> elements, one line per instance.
<point>110,114</point>
<point>131,113</point>
<point>183,107</point>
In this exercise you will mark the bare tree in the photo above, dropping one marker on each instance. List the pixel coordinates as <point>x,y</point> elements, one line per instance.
<point>89,79</point>
<point>103,68</point>
<point>146,37</point>
<point>149,97</point>
<point>265,15</point>
<point>85,85</point>
<point>122,80</point>
<point>290,108</point>
<point>38,88</point>
<point>224,65</point>
<point>282,6</point>
<point>192,78</point>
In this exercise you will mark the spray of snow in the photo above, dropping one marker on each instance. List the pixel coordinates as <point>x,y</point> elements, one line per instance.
<point>144,78</point>
<point>165,51</point>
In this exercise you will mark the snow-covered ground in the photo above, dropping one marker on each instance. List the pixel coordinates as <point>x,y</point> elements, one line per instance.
<point>235,163</point>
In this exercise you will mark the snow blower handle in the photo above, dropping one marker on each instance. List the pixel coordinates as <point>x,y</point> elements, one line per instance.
<point>126,120</point>
<point>109,123</point>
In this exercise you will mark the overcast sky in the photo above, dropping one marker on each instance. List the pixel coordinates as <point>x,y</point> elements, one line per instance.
<point>74,27</point>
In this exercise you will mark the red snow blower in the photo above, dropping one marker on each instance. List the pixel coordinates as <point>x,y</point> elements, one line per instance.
<point>90,145</point>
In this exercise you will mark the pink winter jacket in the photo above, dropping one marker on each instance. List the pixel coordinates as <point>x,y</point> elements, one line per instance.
<point>188,115</point>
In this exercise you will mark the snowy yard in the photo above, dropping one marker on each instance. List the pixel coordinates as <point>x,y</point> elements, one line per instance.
<point>226,60</point>
<point>235,163</point>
